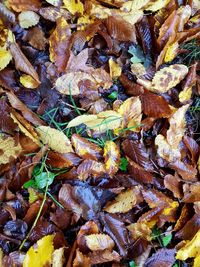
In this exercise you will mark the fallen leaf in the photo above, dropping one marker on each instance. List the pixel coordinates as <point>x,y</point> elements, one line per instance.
<point>81,260</point>
<point>115,69</point>
<point>163,257</point>
<point>156,5</point>
<point>173,184</point>
<point>5,56</point>
<point>74,6</point>
<point>140,229</point>
<point>112,157</point>
<point>21,61</point>
<point>59,43</point>
<point>85,148</point>
<point>90,167</point>
<point>36,256</point>
<point>23,5</point>
<point>28,19</point>
<point>190,250</point>
<point>9,149</point>
<point>36,38</point>
<point>125,201</point>
<point>171,52</point>
<point>97,257</point>
<point>56,139</point>
<point>168,77</point>
<point>185,170</point>
<point>28,82</point>
<point>97,242</point>
<point>58,257</point>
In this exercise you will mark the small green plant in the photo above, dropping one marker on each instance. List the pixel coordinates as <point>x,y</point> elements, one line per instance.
<point>132,264</point>
<point>138,56</point>
<point>123,164</point>
<point>193,52</point>
<point>113,95</point>
<point>163,239</point>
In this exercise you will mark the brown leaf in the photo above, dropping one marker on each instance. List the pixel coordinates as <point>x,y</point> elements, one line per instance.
<point>86,149</point>
<point>21,5</point>
<point>62,160</point>
<point>116,229</point>
<point>139,173</point>
<point>120,29</point>
<point>97,242</point>
<point>59,44</point>
<point>53,13</point>
<point>173,184</point>
<point>61,218</point>
<point>163,257</point>
<point>98,257</point>
<point>131,88</point>
<point>81,260</point>
<point>190,228</point>
<point>90,167</point>
<point>191,193</point>
<point>185,170</point>
<point>193,147</point>
<point>183,218</point>
<point>112,157</point>
<point>36,38</point>
<point>79,61</point>
<point>136,151</point>
<point>22,63</point>
<point>125,201</point>
<point>140,229</point>
<point>7,125</point>
<point>66,198</point>
<point>155,106</point>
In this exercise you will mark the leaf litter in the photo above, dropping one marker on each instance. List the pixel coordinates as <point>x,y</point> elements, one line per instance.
<point>99,133</point>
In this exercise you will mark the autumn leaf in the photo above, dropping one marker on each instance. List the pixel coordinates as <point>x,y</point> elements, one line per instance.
<point>74,6</point>
<point>9,149</point>
<point>28,82</point>
<point>56,139</point>
<point>28,19</point>
<point>5,56</point>
<point>125,201</point>
<point>115,69</point>
<point>58,257</point>
<point>190,250</point>
<point>23,5</point>
<point>112,157</point>
<point>36,256</point>
<point>99,242</point>
<point>90,167</point>
<point>81,260</point>
<point>140,229</point>
<point>58,44</point>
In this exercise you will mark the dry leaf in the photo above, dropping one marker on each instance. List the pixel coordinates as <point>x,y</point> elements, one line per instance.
<point>36,38</point>
<point>168,77</point>
<point>74,6</point>
<point>125,201</point>
<point>112,157</point>
<point>9,149</point>
<point>90,167</point>
<point>21,62</point>
<point>171,52</point>
<point>191,249</point>
<point>140,229</point>
<point>28,19</point>
<point>81,260</point>
<point>115,69</point>
<point>36,256</point>
<point>23,5</point>
<point>85,148</point>
<point>58,257</point>
<point>99,242</point>
<point>5,57</point>
<point>59,44</point>
<point>154,6</point>
<point>28,82</point>
<point>56,139</point>
<point>97,257</point>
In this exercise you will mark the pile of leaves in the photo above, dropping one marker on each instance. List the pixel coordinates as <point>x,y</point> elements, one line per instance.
<point>99,133</point>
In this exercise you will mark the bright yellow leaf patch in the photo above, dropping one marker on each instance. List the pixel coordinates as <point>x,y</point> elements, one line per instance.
<point>5,57</point>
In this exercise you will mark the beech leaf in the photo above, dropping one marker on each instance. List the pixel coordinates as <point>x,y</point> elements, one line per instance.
<point>9,149</point>
<point>28,19</point>
<point>5,56</point>
<point>99,242</point>
<point>112,157</point>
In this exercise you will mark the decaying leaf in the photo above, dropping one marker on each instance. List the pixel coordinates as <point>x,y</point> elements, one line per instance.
<point>112,157</point>
<point>190,250</point>
<point>9,149</point>
<point>23,5</point>
<point>5,57</point>
<point>115,69</point>
<point>81,260</point>
<point>59,42</point>
<point>28,19</point>
<point>97,257</point>
<point>90,167</point>
<point>168,77</point>
<point>58,257</point>
<point>140,229</point>
<point>36,256</point>
<point>99,242</point>
<point>56,139</point>
<point>125,201</point>
<point>28,82</point>
<point>74,6</point>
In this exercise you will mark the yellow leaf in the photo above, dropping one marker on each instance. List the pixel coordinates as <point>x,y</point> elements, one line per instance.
<point>156,5</point>
<point>5,57</point>
<point>74,6</point>
<point>40,256</point>
<point>1,257</point>
<point>83,21</point>
<point>115,69</point>
<point>134,5</point>
<point>28,82</point>
<point>9,149</point>
<point>58,257</point>
<point>191,249</point>
<point>125,201</point>
<point>81,119</point>
<point>131,111</point>
<point>140,229</point>
<point>171,52</point>
<point>138,69</point>
<point>99,242</point>
<point>28,19</point>
<point>112,157</point>
<point>185,95</point>
<point>168,77</point>
<point>56,140</point>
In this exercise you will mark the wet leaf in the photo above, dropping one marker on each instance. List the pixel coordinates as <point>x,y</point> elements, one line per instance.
<point>37,257</point>
<point>97,257</point>
<point>5,56</point>
<point>28,19</point>
<point>23,5</point>
<point>112,157</point>
<point>74,6</point>
<point>28,82</point>
<point>163,257</point>
<point>90,168</point>
<point>125,201</point>
<point>9,149</point>
<point>56,139</point>
<point>140,229</point>
<point>97,242</point>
